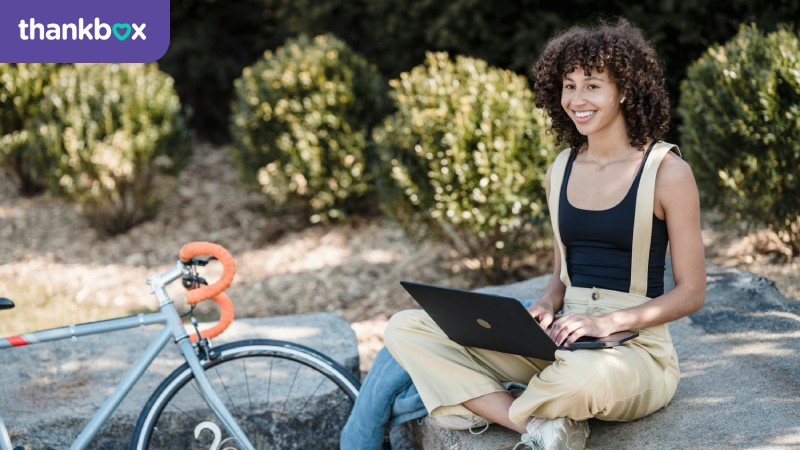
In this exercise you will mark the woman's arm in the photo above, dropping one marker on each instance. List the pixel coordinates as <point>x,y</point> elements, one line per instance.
<point>552,299</point>
<point>678,201</point>
<point>544,309</point>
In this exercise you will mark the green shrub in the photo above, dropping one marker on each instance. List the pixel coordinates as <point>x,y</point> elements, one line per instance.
<point>213,40</point>
<point>741,110</point>
<point>300,124</point>
<point>120,135</point>
<point>468,151</point>
<point>21,89</point>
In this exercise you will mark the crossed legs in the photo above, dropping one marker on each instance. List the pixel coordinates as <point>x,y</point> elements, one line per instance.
<point>494,408</point>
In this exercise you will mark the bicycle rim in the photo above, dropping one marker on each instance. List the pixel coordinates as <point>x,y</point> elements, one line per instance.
<point>284,396</point>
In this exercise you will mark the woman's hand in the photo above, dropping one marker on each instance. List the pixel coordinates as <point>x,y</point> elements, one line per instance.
<point>570,327</point>
<point>543,312</point>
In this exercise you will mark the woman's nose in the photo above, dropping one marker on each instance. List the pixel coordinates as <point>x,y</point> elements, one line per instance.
<point>577,97</point>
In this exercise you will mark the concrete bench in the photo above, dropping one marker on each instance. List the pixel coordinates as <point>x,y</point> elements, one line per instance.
<point>739,384</point>
<point>50,391</point>
<point>740,380</point>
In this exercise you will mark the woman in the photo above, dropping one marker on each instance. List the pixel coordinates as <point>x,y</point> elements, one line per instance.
<point>616,197</point>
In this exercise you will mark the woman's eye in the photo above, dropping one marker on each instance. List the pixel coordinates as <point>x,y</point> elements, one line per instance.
<point>593,87</point>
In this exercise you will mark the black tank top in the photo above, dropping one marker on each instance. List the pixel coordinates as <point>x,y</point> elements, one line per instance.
<point>599,243</point>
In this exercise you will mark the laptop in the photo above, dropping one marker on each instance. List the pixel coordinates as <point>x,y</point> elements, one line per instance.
<point>496,322</point>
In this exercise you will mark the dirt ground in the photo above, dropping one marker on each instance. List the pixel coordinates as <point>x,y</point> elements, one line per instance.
<point>59,271</point>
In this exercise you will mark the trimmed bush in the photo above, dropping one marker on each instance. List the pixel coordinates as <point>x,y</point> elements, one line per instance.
<point>468,152</point>
<point>741,120</point>
<point>120,135</point>
<point>21,90</point>
<point>300,124</point>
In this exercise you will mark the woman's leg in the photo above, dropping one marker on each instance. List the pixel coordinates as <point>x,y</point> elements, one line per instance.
<point>494,408</point>
<point>619,384</point>
<point>447,375</point>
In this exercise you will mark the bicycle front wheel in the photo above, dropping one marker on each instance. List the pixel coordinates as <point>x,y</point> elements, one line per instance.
<point>283,395</point>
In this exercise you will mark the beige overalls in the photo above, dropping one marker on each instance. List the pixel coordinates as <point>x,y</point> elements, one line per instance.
<point>620,383</point>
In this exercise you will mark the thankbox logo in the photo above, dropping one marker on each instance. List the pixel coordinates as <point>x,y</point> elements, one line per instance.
<point>32,30</point>
<point>78,31</point>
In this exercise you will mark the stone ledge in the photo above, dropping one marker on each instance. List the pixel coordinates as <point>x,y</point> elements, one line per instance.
<point>50,391</point>
<point>430,436</point>
<point>739,383</point>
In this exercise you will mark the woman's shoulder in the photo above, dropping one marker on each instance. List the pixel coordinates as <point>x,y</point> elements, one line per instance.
<point>673,169</point>
<point>674,180</point>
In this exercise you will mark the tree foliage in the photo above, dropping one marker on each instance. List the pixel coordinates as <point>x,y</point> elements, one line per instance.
<point>21,91</point>
<point>119,137</point>
<point>467,152</point>
<point>301,122</point>
<point>740,106</point>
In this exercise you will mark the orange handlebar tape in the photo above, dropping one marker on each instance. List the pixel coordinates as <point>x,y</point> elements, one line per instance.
<point>216,291</point>
<point>193,249</point>
<point>225,317</point>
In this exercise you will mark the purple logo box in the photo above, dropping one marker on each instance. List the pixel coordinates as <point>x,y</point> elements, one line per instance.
<point>83,31</point>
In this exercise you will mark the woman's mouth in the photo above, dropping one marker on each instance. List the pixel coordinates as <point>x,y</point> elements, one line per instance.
<point>583,116</point>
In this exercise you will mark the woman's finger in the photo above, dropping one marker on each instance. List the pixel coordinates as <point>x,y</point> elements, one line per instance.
<point>545,319</point>
<point>568,329</point>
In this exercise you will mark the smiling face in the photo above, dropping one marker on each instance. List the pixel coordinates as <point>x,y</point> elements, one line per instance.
<point>592,102</point>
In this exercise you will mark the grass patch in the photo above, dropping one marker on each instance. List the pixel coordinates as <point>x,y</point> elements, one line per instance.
<point>40,307</point>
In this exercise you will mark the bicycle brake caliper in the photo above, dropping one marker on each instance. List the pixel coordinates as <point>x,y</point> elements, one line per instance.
<point>203,345</point>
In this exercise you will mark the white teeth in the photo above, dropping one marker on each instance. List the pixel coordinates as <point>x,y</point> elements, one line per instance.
<point>582,114</point>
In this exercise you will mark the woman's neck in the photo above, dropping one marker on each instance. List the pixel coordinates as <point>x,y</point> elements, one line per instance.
<point>609,146</point>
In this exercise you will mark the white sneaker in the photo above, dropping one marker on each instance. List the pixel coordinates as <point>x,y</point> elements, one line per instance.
<point>475,424</point>
<point>555,434</point>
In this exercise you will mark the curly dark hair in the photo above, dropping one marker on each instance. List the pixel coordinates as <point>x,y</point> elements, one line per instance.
<point>631,63</point>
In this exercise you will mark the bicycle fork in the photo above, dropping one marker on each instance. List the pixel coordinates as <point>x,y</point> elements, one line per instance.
<point>157,286</point>
<point>212,398</point>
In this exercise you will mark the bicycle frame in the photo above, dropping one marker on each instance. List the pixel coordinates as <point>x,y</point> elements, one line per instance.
<point>172,329</point>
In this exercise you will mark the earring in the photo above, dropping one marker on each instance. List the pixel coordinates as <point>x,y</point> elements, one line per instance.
<point>623,99</point>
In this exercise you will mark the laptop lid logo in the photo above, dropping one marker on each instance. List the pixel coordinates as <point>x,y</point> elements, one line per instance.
<point>484,324</point>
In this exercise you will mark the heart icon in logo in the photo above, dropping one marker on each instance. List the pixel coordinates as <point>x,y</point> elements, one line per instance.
<point>121,26</point>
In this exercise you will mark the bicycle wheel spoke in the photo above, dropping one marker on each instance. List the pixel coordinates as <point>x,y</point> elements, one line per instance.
<point>342,400</point>
<point>247,383</point>
<point>227,392</point>
<point>311,396</point>
<point>269,380</point>
<point>196,389</point>
<point>186,413</point>
<point>294,380</point>
<point>309,391</point>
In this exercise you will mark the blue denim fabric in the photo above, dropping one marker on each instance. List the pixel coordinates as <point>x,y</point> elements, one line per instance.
<point>387,398</point>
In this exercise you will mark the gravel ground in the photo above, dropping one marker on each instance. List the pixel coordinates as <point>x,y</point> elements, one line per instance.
<point>284,266</point>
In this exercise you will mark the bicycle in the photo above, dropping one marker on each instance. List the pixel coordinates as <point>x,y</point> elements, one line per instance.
<point>263,393</point>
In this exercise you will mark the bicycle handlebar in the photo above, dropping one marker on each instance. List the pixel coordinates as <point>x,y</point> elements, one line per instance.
<point>216,291</point>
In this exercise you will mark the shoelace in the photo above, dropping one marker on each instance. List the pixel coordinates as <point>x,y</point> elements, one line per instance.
<point>475,431</point>
<point>532,441</point>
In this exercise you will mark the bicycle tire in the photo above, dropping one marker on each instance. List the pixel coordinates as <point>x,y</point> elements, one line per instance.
<point>309,413</point>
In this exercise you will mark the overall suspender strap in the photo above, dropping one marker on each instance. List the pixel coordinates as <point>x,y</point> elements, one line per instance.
<point>643,218</point>
<point>556,180</point>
